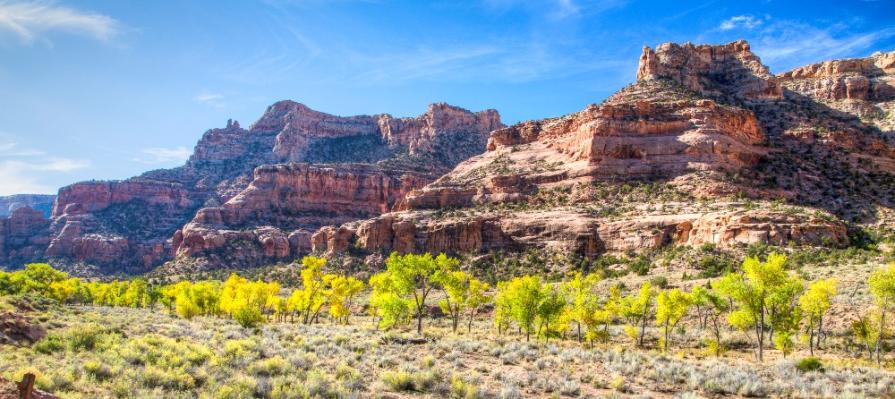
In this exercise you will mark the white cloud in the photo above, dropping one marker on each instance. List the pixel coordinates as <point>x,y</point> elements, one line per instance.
<point>23,170</point>
<point>555,9</point>
<point>209,98</point>
<point>11,149</point>
<point>29,19</point>
<point>158,155</point>
<point>788,44</point>
<point>740,21</point>
<point>206,97</point>
<point>19,177</point>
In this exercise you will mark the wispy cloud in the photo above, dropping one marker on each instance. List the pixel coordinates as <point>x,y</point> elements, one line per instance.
<point>213,99</point>
<point>28,20</point>
<point>23,170</point>
<point>787,44</point>
<point>509,60</point>
<point>740,21</point>
<point>159,155</point>
<point>555,9</point>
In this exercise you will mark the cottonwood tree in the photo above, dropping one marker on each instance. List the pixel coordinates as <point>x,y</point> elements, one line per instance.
<point>638,309</point>
<point>711,307</point>
<point>882,286</point>
<point>477,297</point>
<point>415,276</point>
<point>522,296</point>
<point>463,293</point>
<point>456,289</point>
<point>386,302</point>
<point>309,300</point>
<point>761,292</point>
<point>785,315</point>
<point>340,295</point>
<point>814,304</point>
<point>550,313</point>
<point>503,307</point>
<point>671,307</point>
<point>583,302</point>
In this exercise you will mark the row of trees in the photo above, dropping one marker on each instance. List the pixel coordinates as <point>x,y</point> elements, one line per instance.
<point>765,301</point>
<point>247,302</point>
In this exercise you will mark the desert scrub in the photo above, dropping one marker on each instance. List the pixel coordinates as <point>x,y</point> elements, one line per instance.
<point>416,381</point>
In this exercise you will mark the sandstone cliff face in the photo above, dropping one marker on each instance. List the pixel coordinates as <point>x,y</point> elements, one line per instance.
<point>647,130</point>
<point>23,235</point>
<point>731,69</point>
<point>300,131</point>
<point>862,86</point>
<point>136,224</point>
<point>565,231</point>
<point>706,122</point>
<point>273,218</point>
<point>363,166</point>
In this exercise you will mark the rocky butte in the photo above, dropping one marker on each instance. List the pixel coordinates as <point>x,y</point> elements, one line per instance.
<point>249,196</point>
<point>705,147</point>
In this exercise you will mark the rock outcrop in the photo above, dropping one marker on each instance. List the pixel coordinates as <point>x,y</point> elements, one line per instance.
<point>648,130</point>
<point>564,231</point>
<point>351,168</point>
<point>726,70</point>
<point>136,224</point>
<point>688,126</point>
<point>861,86</point>
<point>273,218</point>
<point>24,235</point>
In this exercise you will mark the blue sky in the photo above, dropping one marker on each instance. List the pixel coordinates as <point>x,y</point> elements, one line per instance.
<point>109,89</point>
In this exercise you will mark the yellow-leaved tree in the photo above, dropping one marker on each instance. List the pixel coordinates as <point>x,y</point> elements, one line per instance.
<point>671,307</point>
<point>584,305</point>
<point>340,295</point>
<point>309,300</point>
<point>882,286</point>
<point>814,304</point>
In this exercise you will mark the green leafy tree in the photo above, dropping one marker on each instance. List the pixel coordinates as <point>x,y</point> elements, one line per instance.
<point>882,286</point>
<point>638,310</point>
<point>764,293</point>
<point>455,285</point>
<point>476,299</point>
<point>814,304</point>
<point>386,301</point>
<point>550,313</point>
<point>671,307</point>
<point>309,300</point>
<point>522,297</point>
<point>711,308</point>
<point>415,276</point>
<point>503,307</point>
<point>583,301</point>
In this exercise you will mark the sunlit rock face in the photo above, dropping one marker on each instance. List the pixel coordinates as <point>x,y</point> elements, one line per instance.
<point>708,121</point>
<point>272,184</point>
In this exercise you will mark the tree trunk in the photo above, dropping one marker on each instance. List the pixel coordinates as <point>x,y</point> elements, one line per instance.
<point>760,333</point>
<point>642,331</point>
<point>419,320</point>
<point>879,336</point>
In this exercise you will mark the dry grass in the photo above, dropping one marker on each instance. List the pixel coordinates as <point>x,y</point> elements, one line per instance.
<point>116,352</point>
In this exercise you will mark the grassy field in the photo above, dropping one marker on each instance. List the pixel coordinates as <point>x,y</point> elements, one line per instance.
<point>99,352</point>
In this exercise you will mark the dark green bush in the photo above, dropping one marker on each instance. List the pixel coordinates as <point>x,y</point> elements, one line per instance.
<point>809,364</point>
<point>50,344</point>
